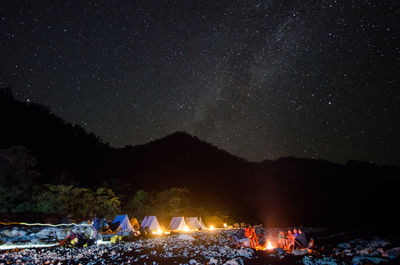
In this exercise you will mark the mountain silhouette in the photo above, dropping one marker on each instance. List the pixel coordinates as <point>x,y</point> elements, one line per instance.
<point>282,192</point>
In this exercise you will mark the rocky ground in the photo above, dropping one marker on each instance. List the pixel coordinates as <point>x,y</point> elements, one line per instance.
<point>213,247</point>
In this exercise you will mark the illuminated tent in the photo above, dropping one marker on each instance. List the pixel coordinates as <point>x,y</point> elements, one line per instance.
<point>193,223</point>
<point>178,224</point>
<point>202,226</point>
<point>124,223</point>
<point>152,223</point>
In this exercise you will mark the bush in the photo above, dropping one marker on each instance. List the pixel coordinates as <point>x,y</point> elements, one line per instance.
<point>75,202</point>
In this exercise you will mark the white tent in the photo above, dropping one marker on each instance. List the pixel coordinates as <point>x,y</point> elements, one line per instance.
<point>193,223</point>
<point>202,226</point>
<point>178,224</point>
<point>152,223</point>
<point>124,223</point>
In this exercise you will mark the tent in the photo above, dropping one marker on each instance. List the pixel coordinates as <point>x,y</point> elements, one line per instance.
<point>202,226</point>
<point>193,223</point>
<point>152,223</point>
<point>124,223</point>
<point>178,224</point>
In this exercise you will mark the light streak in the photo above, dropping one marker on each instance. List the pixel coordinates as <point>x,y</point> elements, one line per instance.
<point>7,247</point>
<point>40,224</point>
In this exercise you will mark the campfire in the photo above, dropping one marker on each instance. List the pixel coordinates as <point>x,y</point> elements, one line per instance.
<point>158,232</point>
<point>267,246</point>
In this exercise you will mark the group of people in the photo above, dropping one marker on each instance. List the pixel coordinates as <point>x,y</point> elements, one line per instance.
<point>292,239</point>
<point>76,240</point>
<point>246,236</point>
<point>250,233</point>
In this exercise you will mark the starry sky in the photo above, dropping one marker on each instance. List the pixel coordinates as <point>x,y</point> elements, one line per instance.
<point>259,79</point>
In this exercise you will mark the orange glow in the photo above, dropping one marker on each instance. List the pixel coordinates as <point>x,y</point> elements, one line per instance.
<point>212,227</point>
<point>225,225</point>
<point>158,232</point>
<point>269,245</point>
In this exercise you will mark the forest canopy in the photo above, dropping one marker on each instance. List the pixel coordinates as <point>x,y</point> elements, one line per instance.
<point>19,193</point>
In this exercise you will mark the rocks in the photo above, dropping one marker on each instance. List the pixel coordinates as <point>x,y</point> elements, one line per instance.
<point>36,234</point>
<point>196,248</point>
<point>307,260</point>
<point>232,262</point>
<point>392,253</point>
<point>280,251</point>
<point>366,259</point>
<point>185,237</point>
<point>245,252</point>
<point>299,252</point>
<point>35,241</point>
<point>44,233</point>
<point>213,261</point>
<point>7,233</point>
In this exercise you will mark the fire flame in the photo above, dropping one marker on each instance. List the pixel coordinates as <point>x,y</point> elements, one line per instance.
<point>269,245</point>
<point>158,232</point>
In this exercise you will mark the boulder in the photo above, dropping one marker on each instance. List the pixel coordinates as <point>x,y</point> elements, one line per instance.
<point>245,252</point>
<point>7,233</point>
<point>299,252</point>
<point>44,233</point>
<point>232,262</point>
<point>392,253</point>
<point>35,241</point>
<point>185,237</point>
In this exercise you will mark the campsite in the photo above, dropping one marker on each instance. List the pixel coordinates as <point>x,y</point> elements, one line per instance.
<point>186,241</point>
<point>176,132</point>
<point>204,219</point>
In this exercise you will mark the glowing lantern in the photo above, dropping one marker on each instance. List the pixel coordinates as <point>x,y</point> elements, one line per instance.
<point>212,227</point>
<point>225,225</point>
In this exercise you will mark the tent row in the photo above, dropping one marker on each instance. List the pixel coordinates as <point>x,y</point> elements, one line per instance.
<point>186,224</point>
<point>150,223</point>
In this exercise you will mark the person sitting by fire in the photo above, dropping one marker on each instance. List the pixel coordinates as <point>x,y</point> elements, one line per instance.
<point>281,239</point>
<point>295,236</point>
<point>289,240</point>
<point>301,240</point>
<point>254,237</point>
<point>249,235</point>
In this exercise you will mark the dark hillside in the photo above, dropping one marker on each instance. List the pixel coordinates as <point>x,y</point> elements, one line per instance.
<point>286,191</point>
<point>62,149</point>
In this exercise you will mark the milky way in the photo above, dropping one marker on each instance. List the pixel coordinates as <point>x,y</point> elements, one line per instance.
<point>260,79</point>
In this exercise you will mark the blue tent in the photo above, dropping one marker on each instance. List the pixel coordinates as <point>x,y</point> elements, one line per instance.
<point>124,224</point>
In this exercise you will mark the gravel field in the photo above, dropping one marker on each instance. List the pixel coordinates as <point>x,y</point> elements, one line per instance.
<point>210,247</point>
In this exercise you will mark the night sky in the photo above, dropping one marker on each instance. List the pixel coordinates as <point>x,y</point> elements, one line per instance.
<point>259,79</point>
